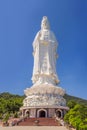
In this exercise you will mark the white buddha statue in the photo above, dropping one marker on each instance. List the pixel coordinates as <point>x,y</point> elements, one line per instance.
<point>45,47</point>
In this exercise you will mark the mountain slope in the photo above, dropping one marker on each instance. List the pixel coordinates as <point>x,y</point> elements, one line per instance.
<point>7,95</point>
<point>76,99</point>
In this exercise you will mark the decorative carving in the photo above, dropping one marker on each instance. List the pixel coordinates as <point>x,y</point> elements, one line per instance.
<point>44,100</point>
<point>43,89</point>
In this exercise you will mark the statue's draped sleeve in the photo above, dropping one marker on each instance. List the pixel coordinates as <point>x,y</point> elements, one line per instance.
<point>36,41</point>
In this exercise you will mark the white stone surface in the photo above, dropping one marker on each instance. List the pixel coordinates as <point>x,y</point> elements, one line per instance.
<point>44,100</point>
<point>45,46</point>
<point>45,90</point>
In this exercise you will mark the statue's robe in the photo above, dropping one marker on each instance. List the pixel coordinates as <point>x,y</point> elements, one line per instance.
<point>45,45</point>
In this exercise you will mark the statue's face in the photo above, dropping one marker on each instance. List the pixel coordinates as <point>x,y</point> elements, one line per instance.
<point>45,23</point>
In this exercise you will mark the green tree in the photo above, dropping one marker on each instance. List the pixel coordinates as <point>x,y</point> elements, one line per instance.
<point>77,116</point>
<point>71,104</point>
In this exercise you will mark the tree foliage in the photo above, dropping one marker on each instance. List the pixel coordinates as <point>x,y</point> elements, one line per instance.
<point>71,103</point>
<point>77,116</point>
<point>9,104</point>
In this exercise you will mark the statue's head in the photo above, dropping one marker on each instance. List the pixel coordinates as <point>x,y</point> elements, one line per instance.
<point>45,23</point>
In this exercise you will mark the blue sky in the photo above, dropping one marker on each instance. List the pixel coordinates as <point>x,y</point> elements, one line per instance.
<point>20,21</point>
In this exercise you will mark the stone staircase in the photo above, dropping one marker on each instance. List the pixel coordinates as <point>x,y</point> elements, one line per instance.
<point>39,122</point>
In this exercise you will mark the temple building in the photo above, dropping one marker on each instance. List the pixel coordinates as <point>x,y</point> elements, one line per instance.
<point>44,98</point>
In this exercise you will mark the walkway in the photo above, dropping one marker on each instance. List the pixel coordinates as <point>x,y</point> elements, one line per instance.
<point>34,128</point>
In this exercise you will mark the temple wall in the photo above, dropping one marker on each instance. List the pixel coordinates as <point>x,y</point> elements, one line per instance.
<point>32,113</point>
<point>51,112</point>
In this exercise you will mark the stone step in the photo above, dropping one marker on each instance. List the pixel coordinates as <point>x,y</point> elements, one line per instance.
<point>42,122</point>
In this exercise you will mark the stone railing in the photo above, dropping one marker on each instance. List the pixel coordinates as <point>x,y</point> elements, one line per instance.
<point>15,122</point>
<point>69,127</point>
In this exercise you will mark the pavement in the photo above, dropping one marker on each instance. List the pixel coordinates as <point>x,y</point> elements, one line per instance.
<point>34,128</point>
